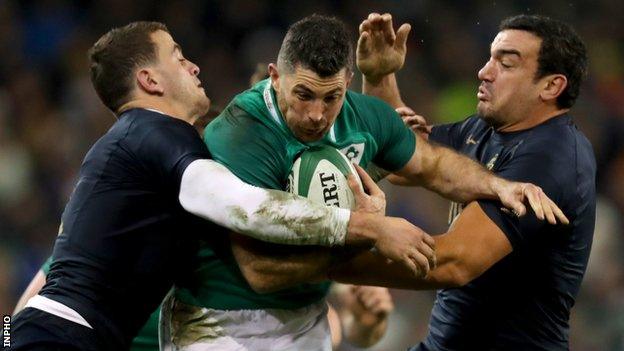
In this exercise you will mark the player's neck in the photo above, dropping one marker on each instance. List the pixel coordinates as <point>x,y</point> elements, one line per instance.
<point>535,118</point>
<point>163,107</point>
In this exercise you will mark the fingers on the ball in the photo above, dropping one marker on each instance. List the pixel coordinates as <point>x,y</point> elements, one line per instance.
<point>368,182</point>
<point>355,186</point>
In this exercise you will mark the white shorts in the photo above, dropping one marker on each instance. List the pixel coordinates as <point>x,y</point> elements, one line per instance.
<point>190,328</point>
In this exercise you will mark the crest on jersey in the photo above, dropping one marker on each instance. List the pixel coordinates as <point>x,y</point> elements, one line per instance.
<point>354,152</point>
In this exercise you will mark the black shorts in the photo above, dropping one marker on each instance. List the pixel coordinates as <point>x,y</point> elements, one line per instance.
<point>34,330</point>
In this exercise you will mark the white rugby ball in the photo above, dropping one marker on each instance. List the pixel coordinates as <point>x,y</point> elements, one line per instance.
<point>320,174</point>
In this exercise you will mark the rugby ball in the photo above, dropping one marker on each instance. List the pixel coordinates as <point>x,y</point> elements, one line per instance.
<point>320,174</point>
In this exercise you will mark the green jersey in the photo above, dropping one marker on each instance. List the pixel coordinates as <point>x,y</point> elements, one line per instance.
<point>147,339</point>
<point>252,139</point>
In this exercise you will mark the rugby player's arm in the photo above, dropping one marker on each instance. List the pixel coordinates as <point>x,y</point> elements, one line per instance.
<point>211,191</point>
<point>449,173</point>
<point>33,289</point>
<point>471,246</point>
<point>272,267</point>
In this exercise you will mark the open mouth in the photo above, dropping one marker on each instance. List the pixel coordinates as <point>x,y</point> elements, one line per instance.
<point>483,94</point>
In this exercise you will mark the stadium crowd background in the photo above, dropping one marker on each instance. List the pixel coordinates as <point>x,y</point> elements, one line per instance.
<point>50,115</point>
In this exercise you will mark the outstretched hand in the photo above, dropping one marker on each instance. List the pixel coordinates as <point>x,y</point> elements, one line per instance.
<point>381,51</point>
<point>514,195</point>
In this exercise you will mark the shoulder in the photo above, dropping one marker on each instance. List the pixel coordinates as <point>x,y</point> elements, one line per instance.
<point>159,138</point>
<point>236,124</point>
<point>460,134</point>
<point>557,142</point>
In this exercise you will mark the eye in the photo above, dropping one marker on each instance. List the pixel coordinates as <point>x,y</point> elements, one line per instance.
<point>331,98</point>
<point>505,65</point>
<point>303,96</point>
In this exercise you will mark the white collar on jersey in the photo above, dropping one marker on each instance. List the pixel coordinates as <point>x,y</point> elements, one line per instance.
<point>155,110</point>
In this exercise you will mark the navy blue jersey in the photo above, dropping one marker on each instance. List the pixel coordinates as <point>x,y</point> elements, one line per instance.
<point>523,302</point>
<point>124,236</point>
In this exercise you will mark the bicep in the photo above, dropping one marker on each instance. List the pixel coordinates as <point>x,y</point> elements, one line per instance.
<point>472,245</point>
<point>423,154</point>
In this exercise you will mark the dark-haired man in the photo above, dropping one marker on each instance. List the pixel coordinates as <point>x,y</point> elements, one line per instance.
<point>510,285</point>
<point>305,102</point>
<point>127,233</point>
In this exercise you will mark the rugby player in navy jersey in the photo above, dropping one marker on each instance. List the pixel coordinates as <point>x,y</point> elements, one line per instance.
<point>128,230</point>
<point>507,283</point>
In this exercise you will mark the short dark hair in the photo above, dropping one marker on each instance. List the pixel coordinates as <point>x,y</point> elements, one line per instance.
<point>115,56</point>
<point>319,43</point>
<point>562,52</point>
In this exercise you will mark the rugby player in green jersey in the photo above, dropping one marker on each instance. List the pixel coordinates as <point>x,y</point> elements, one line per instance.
<point>205,187</point>
<point>232,302</point>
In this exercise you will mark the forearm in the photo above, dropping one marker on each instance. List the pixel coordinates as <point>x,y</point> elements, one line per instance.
<point>453,175</point>
<point>370,268</point>
<point>271,267</point>
<point>209,190</point>
<point>473,244</point>
<point>385,88</point>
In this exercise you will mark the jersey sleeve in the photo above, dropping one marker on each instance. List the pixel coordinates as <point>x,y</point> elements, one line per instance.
<point>451,134</point>
<point>251,150</point>
<point>523,168</point>
<point>396,142</point>
<point>168,148</point>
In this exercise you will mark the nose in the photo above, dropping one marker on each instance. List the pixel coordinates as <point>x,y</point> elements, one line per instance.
<point>194,69</point>
<point>316,110</point>
<point>486,73</point>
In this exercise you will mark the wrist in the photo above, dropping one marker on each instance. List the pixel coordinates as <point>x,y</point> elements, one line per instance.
<point>361,229</point>
<point>380,80</point>
<point>495,187</point>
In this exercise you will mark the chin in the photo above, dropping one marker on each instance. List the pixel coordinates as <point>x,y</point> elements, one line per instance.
<point>490,117</point>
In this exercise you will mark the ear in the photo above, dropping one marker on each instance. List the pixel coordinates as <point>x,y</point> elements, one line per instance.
<point>148,82</point>
<point>275,77</point>
<point>349,75</point>
<point>554,85</point>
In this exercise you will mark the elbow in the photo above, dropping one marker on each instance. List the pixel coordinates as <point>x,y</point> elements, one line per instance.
<point>458,276</point>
